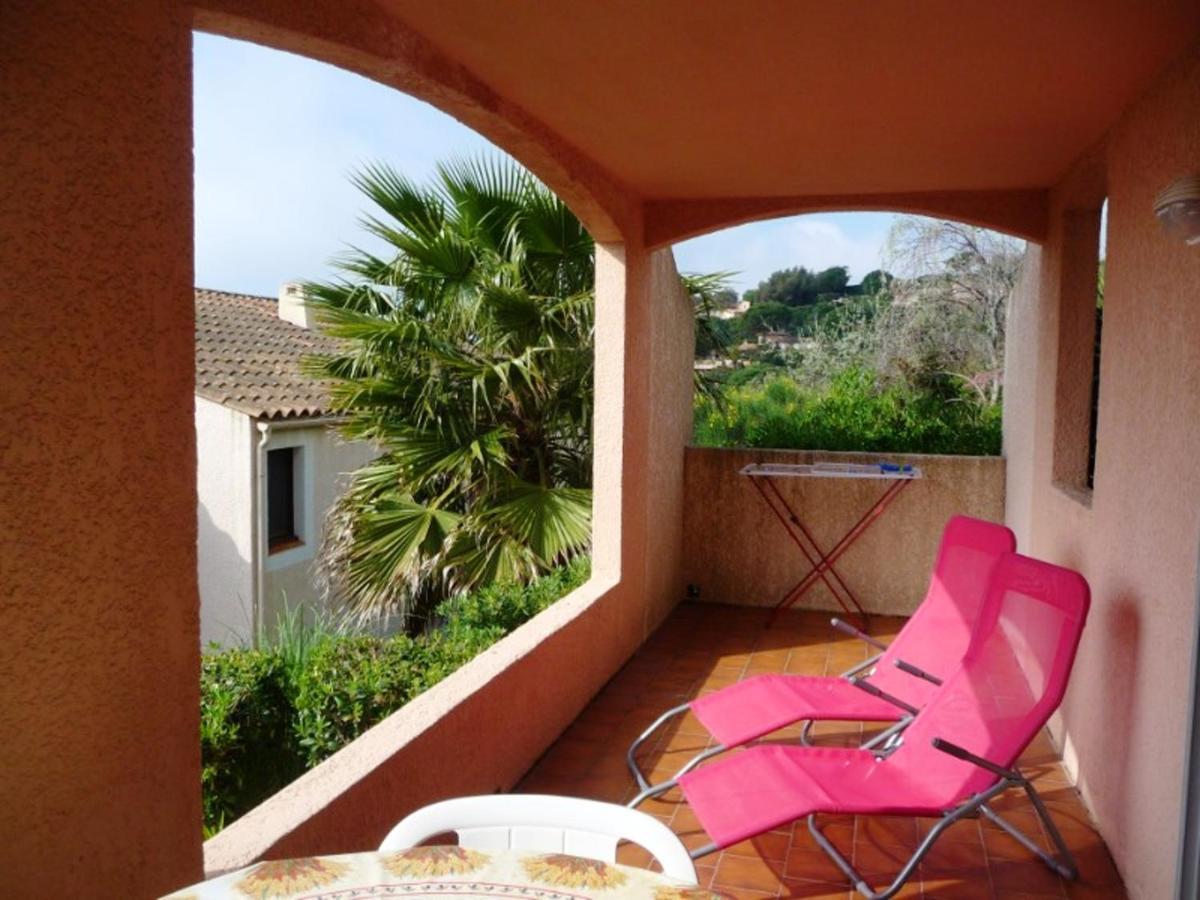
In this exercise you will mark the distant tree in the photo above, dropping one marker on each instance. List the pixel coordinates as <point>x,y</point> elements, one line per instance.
<point>952,301</point>
<point>876,282</point>
<point>725,298</point>
<point>832,281</point>
<point>763,317</point>
<point>800,287</point>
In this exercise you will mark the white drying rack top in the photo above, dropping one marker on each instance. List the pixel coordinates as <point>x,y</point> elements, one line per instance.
<point>880,470</point>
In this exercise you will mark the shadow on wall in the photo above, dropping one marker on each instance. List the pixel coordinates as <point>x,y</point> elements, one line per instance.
<point>224,575</point>
<point>1116,633</point>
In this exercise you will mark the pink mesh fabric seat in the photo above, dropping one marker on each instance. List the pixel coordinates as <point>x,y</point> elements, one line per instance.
<point>933,640</point>
<point>956,755</point>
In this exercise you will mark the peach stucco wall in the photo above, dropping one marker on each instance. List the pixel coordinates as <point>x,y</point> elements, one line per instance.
<point>737,552</point>
<point>1135,537</point>
<point>99,740</point>
<point>482,728</point>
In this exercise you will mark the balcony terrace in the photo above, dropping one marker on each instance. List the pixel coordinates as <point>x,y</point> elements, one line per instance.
<point>655,122</point>
<point>704,647</point>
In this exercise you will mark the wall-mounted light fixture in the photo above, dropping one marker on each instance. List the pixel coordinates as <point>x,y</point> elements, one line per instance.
<point>1178,208</point>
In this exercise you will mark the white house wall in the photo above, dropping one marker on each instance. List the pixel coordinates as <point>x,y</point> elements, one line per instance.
<point>224,542</point>
<point>324,463</point>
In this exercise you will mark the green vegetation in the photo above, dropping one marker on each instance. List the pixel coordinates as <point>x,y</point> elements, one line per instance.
<point>892,365</point>
<point>851,413</point>
<point>468,359</point>
<point>268,714</point>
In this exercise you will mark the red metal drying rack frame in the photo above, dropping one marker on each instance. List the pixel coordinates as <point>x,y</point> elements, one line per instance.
<point>822,564</point>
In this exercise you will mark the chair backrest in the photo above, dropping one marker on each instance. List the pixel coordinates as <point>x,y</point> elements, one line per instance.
<point>545,823</point>
<point>1012,678</point>
<point>936,636</point>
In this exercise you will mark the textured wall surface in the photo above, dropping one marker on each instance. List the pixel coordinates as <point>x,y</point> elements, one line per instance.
<point>225,442</point>
<point>671,352</point>
<point>736,551</point>
<point>99,754</point>
<point>1021,376</point>
<point>1135,537</point>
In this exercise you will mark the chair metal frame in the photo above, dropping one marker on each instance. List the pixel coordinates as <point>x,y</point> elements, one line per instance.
<point>1064,865</point>
<point>883,739</point>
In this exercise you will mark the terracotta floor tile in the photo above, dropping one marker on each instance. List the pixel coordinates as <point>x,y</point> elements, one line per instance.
<point>1082,890</point>
<point>743,872</point>
<point>1096,866</point>
<point>877,863</point>
<point>1028,876</point>
<point>1002,846</point>
<point>957,887</point>
<point>888,831</point>
<point>633,855</point>
<point>812,865</point>
<point>772,846</point>
<point>954,858</point>
<point>814,890</point>
<point>964,831</point>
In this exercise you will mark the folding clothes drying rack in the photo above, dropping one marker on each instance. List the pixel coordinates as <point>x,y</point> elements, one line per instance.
<point>763,476</point>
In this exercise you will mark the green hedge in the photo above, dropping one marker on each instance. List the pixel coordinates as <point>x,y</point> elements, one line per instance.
<point>248,744</point>
<point>267,715</point>
<point>852,413</point>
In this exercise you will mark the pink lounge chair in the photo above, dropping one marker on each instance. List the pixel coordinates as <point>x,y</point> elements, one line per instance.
<point>904,675</point>
<point>952,760</point>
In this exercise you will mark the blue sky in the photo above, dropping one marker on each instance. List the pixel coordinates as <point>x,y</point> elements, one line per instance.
<point>276,136</point>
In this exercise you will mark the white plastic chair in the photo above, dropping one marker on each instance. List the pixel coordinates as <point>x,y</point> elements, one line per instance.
<point>544,823</point>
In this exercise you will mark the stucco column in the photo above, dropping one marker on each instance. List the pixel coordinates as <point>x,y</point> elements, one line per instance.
<point>99,745</point>
<point>644,341</point>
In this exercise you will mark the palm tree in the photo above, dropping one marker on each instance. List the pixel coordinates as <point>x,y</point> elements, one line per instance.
<point>468,360</point>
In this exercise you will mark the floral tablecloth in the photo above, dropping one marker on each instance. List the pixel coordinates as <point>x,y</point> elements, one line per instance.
<point>444,871</point>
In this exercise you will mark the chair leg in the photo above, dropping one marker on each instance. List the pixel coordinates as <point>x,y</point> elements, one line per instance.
<point>1064,864</point>
<point>630,755</point>
<point>663,786</point>
<point>860,883</point>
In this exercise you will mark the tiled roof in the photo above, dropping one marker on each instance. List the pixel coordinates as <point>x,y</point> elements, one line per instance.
<point>248,359</point>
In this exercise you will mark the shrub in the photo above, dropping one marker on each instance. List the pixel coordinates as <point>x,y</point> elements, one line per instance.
<point>267,715</point>
<point>349,685</point>
<point>247,746</point>
<point>851,413</point>
<point>505,606</point>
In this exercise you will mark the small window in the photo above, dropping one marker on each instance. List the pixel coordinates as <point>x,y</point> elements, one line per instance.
<point>281,499</point>
<point>1094,419</point>
<point>1080,321</point>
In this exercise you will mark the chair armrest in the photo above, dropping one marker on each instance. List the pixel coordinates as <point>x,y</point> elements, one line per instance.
<point>883,695</point>
<point>847,628</point>
<point>916,672</point>
<point>967,756</point>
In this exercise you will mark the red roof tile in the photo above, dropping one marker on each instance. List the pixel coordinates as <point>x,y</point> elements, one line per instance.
<point>248,359</point>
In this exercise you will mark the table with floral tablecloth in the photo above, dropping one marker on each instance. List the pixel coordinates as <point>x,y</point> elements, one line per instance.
<point>443,871</point>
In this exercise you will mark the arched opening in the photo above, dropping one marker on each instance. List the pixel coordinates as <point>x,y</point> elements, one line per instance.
<point>847,346</point>
<point>625,287</point>
<point>337,219</point>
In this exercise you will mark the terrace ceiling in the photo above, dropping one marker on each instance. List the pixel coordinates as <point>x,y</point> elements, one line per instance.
<point>707,100</point>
